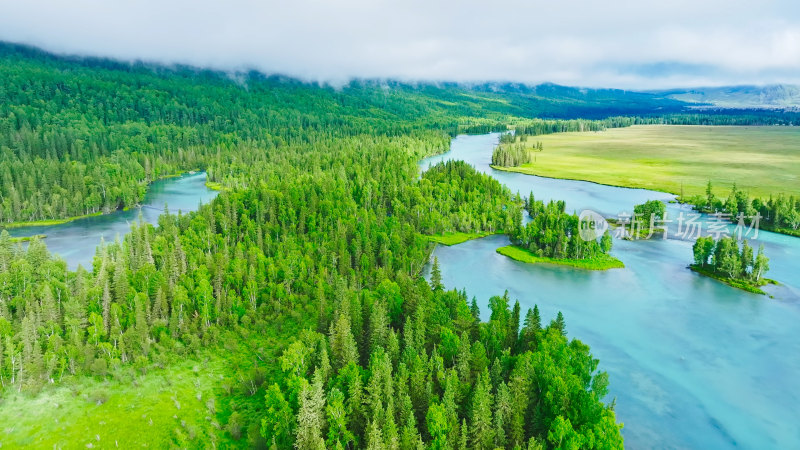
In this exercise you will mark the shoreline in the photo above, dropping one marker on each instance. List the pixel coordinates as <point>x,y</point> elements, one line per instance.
<point>737,284</point>
<point>677,199</point>
<point>457,237</point>
<point>61,221</point>
<point>515,170</point>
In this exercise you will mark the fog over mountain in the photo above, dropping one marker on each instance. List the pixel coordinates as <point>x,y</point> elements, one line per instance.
<point>617,43</point>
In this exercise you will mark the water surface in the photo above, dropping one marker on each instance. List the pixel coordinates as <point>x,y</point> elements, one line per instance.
<point>693,363</point>
<point>76,241</point>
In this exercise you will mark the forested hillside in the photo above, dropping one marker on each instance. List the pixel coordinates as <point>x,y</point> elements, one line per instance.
<point>301,283</point>
<point>82,136</point>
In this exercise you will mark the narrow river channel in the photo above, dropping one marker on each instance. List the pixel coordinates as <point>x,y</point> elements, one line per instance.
<point>76,241</point>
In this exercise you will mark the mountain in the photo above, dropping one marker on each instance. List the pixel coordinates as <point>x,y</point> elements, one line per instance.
<point>776,96</point>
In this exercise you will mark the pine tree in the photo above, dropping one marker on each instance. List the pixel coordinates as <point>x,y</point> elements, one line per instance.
<point>559,324</point>
<point>277,424</point>
<point>436,275</point>
<point>311,417</point>
<point>338,434</point>
<point>502,414</point>
<point>343,346</point>
<point>761,265</point>
<point>438,426</point>
<point>481,414</point>
<point>746,260</point>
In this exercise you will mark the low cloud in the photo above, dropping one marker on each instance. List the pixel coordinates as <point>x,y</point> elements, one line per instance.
<point>615,43</point>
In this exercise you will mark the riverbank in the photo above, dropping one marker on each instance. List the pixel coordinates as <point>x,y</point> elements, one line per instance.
<point>678,199</point>
<point>457,237</point>
<point>755,288</point>
<point>27,238</point>
<point>601,263</point>
<point>61,221</point>
<point>46,223</point>
<point>215,186</point>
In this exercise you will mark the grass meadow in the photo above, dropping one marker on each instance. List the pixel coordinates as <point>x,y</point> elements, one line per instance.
<point>670,158</point>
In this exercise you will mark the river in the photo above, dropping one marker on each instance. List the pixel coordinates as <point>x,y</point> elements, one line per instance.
<point>76,241</point>
<point>693,363</point>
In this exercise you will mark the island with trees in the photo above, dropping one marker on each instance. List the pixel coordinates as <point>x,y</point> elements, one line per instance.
<point>644,223</point>
<point>724,260</point>
<point>553,236</point>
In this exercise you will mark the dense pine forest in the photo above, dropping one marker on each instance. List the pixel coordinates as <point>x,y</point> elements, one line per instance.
<point>302,279</point>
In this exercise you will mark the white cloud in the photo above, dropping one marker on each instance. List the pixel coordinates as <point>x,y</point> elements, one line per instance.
<point>615,43</point>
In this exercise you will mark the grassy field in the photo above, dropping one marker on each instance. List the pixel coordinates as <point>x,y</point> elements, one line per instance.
<point>762,160</point>
<point>165,408</point>
<point>520,254</point>
<point>189,403</point>
<point>456,238</point>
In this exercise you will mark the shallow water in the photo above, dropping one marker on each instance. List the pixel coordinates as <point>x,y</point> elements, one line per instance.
<point>693,363</point>
<point>76,241</point>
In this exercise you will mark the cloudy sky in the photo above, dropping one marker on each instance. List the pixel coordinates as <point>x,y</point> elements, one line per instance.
<point>633,44</point>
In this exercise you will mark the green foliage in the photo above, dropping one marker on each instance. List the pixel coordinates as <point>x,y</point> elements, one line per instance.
<point>780,213</point>
<point>455,238</point>
<point>456,198</point>
<point>601,261</point>
<point>723,260</point>
<point>511,155</point>
<point>649,213</point>
<point>554,235</point>
<point>302,277</point>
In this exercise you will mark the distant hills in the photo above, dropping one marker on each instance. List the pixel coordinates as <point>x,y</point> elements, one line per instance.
<point>478,98</point>
<point>776,96</point>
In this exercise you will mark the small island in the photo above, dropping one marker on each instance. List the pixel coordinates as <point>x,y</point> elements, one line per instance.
<point>553,236</point>
<point>724,261</point>
<point>600,262</point>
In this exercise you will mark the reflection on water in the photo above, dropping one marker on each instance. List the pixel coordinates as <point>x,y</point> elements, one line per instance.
<point>693,363</point>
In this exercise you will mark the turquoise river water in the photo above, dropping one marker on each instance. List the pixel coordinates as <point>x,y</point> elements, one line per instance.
<point>693,363</point>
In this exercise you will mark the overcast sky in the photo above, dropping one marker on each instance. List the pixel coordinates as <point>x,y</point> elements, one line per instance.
<point>631,44</point>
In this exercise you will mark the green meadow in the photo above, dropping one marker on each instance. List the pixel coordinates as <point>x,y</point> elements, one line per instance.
<point>169,407</point>
<point>676,159</point>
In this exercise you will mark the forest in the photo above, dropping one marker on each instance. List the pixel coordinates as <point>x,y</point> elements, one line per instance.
<point>780,213</point>
<point>302,278</point>
<point>512,155</point>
